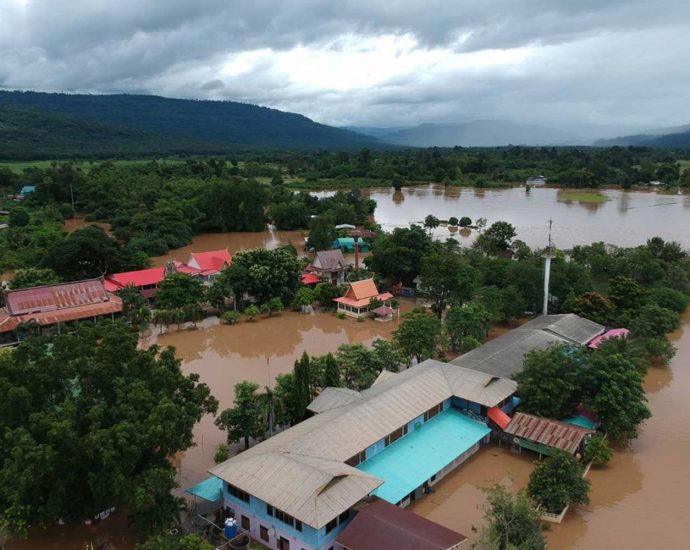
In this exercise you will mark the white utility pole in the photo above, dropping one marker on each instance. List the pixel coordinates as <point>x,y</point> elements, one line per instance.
<point>547,271</point>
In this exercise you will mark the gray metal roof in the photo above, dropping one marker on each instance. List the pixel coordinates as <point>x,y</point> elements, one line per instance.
<point>331,398</point>
<point>504,355</point>
<point>301,470</point>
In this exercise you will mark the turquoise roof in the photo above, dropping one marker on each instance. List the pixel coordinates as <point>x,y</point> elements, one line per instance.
<point>28,189</point>
<point>210,489</point>
<point>413,459</point>
<point>581,421</point>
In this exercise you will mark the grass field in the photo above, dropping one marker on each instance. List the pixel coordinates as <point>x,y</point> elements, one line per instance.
<point>582,196</point>
<point>19,166</point>
<point>684,166</point>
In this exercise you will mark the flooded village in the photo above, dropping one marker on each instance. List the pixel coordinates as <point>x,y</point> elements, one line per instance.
<point>639,483</point>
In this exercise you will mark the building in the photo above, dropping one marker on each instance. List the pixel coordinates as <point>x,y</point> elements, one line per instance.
<point>147,280</point>
<point>382,526</point>
<point>542,435</point>
<point>358,298</point>
<point>347,244</point>
<point>51,307</point>
<point>301,488</point>
<point>330,265</point>
<point>209,264</point>
<point>503,356</point>
<point>536,181</point>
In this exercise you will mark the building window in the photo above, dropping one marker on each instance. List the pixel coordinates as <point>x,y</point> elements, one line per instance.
<point>284,544</point>
<point>283,517</point>
<point>298,525</point>
<point>433,411</point>
<point>246,524</point>
<point>331,525</point>
<point>269,510</point>
<point>263,533</point>
<point>344,516</point>
<point>357,459</point>
<point>238,493</point>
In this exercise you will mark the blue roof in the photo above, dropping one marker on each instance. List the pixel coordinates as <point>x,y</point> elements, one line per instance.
<point>210,489</point>
<point>413,459</point>
<point>581,421</point>
<point>27,189</point>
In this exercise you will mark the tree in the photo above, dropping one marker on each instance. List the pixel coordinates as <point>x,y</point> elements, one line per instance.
<point>33,276</point>
<point>592,306</point>
<point>230,317</point>
<point>245,419</point>
<point>398,256</point>
<point>446,276</point>
<point>252,312</point>
<point>325,293</point>
<point>330,372</point>
<point>135,307</point>
<point>19,217</point>
<point>470,320</point>
<point>653,321</point>
<point>89,253</point>
<point>173,542</point>
<point>233,205</point>
<point>89,421</point>
<point>431,222</point>
<point>453,221</point>
<point>417,335</point>
<point>625,294</point>
<point>496,239</point>
<point>303,298</point>
<point>321,233</point>
<point>512,522</point>
<point>179,290</point>
<point>275,305</point>
<point>557,482</point>
<point>358,366</point>
<point>669,298</point>
<point>513,304</point>
<point>303,383</point>
<point>549,383</point>
<point>465,221</point>
<point>598,451</point>
<point>613,388</point>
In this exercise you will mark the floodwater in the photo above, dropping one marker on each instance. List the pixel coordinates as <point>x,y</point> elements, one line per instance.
<point>627,218</point>
<point>641,500</point>
<point>224,355</point>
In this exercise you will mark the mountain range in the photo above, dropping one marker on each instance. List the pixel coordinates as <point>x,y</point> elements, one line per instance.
<point>50,125</point>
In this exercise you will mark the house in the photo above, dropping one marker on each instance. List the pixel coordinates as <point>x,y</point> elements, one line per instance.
<point>302,487</point>
<point>330,265</point>
<point>358,297</point>
<point>383,526</point>
<point>209,264</point>
<point>543,435</point>
<point>51,307</point>
<point>347,244</point>
<point>611,333</point>
<point>146,280</point>
<point>503,356</point>
<point>536,181</point>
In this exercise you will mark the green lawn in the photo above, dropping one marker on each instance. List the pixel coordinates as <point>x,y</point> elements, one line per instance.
<point>582,196</point>
<point>19,166</point>
<point>684,166</point>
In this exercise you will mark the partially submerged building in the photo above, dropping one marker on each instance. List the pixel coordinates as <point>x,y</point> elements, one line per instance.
<point>209,264</point>
<point>330,265</point>
<point>49,308</point>
<point>543,435</point>
<point>301,488</point>
<point>503,356</point>
<point>357,300</point>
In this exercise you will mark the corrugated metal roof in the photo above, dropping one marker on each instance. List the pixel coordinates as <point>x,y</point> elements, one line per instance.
<point>213,261</point>
<point>331,398</point>
<point>384,526</point>
<point>545,431</point>
<point>329,260</point>
<point>504,355</point>
<point>286,469</point>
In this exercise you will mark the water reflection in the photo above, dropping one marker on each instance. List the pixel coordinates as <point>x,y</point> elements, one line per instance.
<point>398,197</point>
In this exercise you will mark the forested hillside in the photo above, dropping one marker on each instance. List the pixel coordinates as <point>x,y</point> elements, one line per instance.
<point>156,124</point>
<point>675,140</point>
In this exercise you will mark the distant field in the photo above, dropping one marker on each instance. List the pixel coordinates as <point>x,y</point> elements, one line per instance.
<point>684,165</point>
<point>582,196</point>
<point>19,166</point>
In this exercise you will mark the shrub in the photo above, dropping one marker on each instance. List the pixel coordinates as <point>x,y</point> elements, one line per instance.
<point>222,454</point>
<point>341,315</point>
<point>465,221</point>
<point>453,221</point>
<point>557,482</point>
<point>598,451</point>
<point>672,299</point>
<point>252,312</point>
<point>230,317</point>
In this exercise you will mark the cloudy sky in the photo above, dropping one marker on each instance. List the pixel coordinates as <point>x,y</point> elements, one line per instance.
<point>367,62</point>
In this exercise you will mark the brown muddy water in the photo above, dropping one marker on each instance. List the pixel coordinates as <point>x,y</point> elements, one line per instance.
<point>625,218</point>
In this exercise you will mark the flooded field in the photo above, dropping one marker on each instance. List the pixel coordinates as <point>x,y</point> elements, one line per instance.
<point>624,218</point>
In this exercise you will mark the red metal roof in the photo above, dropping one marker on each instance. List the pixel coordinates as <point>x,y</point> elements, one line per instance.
<point>310,279</point>
<point>551,433</point>
<point>212,261</point>
<point>499,417</point>
<point>141,277</point>
<point>48,305</point>
<point>384,526</point>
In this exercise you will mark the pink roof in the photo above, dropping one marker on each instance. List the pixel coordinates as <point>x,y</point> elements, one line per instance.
<point>143,277</point>
<point>47,305</point>
<point>213,261</point>
<point>594,343</point>
<point>382,311</point>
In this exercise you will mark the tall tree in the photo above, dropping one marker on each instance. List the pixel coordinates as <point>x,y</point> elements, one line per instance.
<point>331,372</point>
<point>496,239</point>
<point>33,276</point>
<point>179,290</point>
<point>303,384</point>
<point>246,418</point>
<point>321,233</point>
<point>557,482</point>
<point>446,277</point>
<point>417,335</point>
<point>398,256</point>
<point>89,421</point>
<point>470,320</point>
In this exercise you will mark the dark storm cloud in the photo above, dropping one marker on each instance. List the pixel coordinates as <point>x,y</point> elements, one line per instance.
<point>593,59</point>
